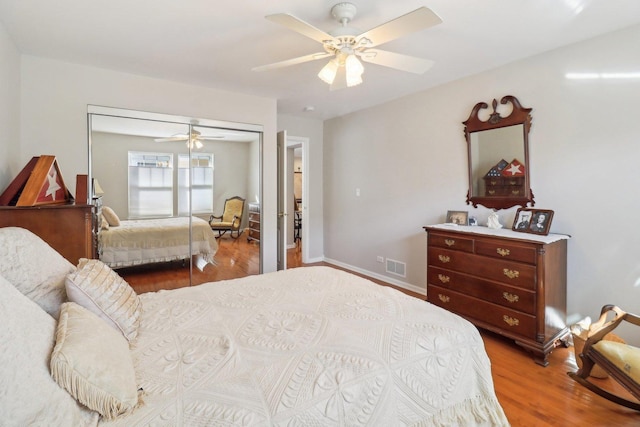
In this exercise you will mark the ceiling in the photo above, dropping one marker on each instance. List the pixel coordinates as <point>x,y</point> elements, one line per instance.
<point>216,43</point>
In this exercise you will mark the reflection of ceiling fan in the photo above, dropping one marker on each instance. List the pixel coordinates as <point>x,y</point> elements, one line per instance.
<point>195,141</point>
<point>347,45</point>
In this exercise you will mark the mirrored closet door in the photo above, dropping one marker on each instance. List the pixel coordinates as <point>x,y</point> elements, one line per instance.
<point>159,179</point>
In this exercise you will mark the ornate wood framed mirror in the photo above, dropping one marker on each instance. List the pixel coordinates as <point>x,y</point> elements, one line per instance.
<point>498,150</point>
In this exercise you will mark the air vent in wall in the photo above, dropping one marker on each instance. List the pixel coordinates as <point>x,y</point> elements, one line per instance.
<point>396,267</point>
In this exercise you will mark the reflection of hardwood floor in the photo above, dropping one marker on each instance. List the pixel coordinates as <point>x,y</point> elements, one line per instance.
<point>235,258</point>
<point>530,394</point>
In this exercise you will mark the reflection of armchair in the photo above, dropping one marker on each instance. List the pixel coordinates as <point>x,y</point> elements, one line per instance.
<point>230,219</point>
<point>621,361</point>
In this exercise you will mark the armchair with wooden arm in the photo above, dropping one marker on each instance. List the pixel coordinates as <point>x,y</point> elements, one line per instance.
<point>621,361</point>
<point>231,217</point>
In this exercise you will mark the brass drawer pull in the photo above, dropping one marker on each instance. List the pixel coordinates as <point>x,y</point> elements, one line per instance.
<point>503,252</point>
<point>443,298</point>
<point>450,242</point>
<point>443,278</point>
<point>443,258</point>
<point>492,192</point>
<point>511,321</point>
<point>511,274</point>
<point>510,297</point>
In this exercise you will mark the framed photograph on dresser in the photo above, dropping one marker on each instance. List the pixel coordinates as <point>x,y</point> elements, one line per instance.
<point>457,217</point>
<point>536,221</point>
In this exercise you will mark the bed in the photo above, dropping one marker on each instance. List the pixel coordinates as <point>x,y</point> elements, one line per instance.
<point>307,346</point>
<point>146,241</point>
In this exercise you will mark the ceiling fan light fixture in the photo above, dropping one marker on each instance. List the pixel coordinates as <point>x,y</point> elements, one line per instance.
<point>194,144</point>
<point>354,70</point>
<point>329,71</point>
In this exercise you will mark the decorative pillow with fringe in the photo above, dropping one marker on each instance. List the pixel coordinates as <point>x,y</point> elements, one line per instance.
<point>28,394</point>
<point>93,363</point>
<point>96,287</point>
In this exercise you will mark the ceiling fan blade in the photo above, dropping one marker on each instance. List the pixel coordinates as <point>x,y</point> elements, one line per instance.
<point>398,61</point>
<point>293,61</point>
<point>299,26</point>
<point>172,138</point>
<point>417,20</point>
<point>210,138</point>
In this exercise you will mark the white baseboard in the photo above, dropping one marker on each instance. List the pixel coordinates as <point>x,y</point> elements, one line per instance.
<point>386,279</point>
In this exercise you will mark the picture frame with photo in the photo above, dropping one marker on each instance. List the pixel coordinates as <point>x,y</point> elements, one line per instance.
<point>535,221</point>
<point>458,217</point>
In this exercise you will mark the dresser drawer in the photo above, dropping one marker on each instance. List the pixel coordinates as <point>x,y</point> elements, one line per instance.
<point>506,251</point>
<point>507,296</point>
<point>511,321</point>
<point>451,242</point>
<point>508,272</point>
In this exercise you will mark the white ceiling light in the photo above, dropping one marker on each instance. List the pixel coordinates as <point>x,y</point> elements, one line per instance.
<point>354,70</point>
<point>328,73</point>
<point>349,64</point>
<point>194,144</point>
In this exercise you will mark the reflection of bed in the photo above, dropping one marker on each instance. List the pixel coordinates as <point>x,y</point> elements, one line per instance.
<point>307,346</point>
<point>136,242</point>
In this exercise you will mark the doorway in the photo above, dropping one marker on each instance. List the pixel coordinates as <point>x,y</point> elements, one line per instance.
<point>291,167</point>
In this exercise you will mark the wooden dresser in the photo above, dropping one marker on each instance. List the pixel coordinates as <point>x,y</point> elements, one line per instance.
<point>254,222</point>
<point>69,229</point>
<point>504,186</point>
<point>507,282</point>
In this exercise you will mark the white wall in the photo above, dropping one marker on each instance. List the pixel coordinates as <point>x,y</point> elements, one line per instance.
<point>314,172</point>
<point>9,109</point>
<point>232,165</point>
<point>53,118</point>
<point>408,157</point>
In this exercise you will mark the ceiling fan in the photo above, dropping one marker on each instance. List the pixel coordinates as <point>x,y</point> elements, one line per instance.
<point>347,46</point>
<point>193,141</point>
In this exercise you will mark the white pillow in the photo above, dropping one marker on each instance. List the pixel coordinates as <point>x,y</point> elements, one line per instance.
<point>101,290</point>
<point>34,268</point>
<point>110,216</point>
<point>28,394</point>
<point>104,224</point>
<point>92,362</point>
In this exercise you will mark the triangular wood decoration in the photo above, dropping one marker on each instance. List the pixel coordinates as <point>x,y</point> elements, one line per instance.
<point>11,194</point>
<point>45,185</point>
<point>515,168</point>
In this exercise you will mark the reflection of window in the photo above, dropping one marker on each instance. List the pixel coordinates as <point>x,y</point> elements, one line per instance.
<point>201,186</point>
<point>150,184</point>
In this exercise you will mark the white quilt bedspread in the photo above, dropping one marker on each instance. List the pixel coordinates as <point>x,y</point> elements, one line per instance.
<point>146,241</point>
<point>308,346</point>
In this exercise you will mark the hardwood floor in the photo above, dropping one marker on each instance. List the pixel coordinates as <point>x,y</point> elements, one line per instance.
<point>530,394</point>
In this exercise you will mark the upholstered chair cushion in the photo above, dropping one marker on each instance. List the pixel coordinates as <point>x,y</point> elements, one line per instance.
<point>624,356</point>
<point>34,267</point>
<point>232,208</point>
<point>28,394</point>
<point>101,290</point>
<point>110,216</point>
<point>92,362</point>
